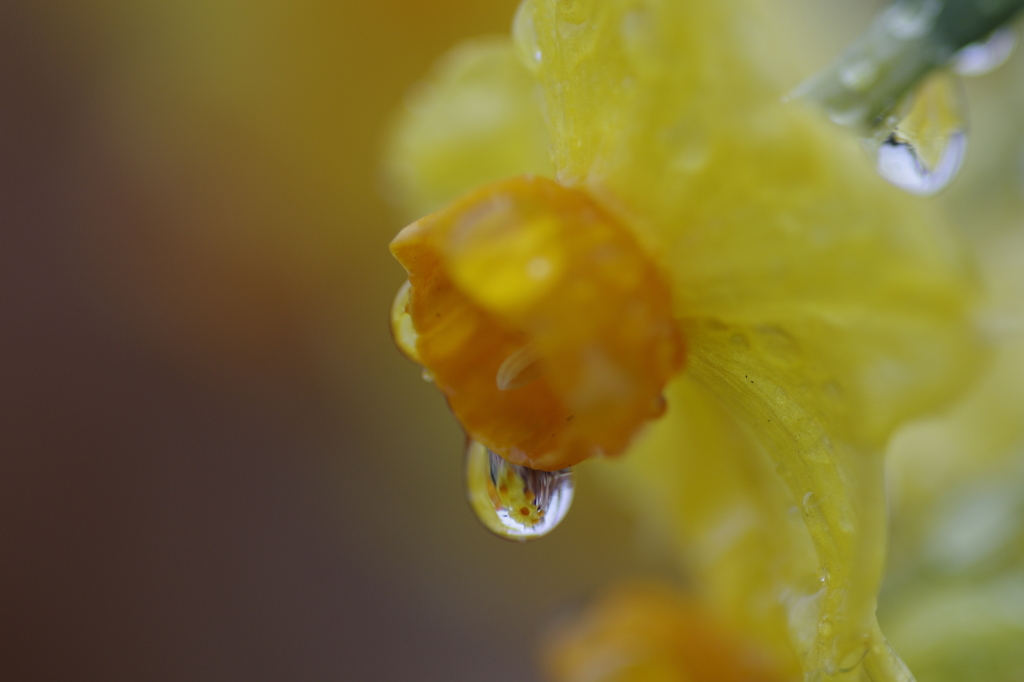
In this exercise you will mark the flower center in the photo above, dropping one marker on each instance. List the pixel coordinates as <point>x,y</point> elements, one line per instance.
<point>540,317</point>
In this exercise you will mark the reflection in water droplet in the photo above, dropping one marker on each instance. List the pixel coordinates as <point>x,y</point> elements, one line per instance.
<point>922,147</point>
<point>401,323</point>
<point>427,375</point>
<point>515,502</point>
<point>979,58</point>
<point>520,368</point>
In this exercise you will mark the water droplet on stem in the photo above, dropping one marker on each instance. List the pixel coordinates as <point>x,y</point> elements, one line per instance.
<point>515,502</point>
<point>921,147</point>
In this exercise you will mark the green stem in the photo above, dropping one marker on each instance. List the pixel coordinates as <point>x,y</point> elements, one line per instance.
<point>903,44</point>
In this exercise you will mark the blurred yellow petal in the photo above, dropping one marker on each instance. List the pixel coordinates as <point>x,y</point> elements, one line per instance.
<point>474,120</point>
<point>954,597</point>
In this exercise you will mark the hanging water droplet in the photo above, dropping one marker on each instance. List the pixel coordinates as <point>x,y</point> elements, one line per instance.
<point>520,368</point>
<point>402,329</point>
<point>515,502</point>
<point>922,147</point>
<point>979,58</point>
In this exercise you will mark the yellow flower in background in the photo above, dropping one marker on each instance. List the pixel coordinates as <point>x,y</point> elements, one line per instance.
<point>621,207</point>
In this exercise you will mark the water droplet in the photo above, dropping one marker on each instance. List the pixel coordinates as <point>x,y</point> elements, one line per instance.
<point>402,329</point>
<point>848,118</point>
<point>908,19</point>
<point>524,34</point>
<point>515,502</point>
<point>859,76</point>
<point>427,375</point>
<point>825,627</point>
<point>979,58</point>
<point>853,658</point>
<point>520,368</point>
<point>921,148</point>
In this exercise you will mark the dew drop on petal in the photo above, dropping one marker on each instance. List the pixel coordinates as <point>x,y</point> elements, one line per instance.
<point>402,329</point>
<point>515,502</point>
<point>921,149</point>
<point>979,58</point>
<point>853,658</point>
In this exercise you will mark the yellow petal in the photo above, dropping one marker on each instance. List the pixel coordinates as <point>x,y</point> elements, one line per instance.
<point>475,119</point>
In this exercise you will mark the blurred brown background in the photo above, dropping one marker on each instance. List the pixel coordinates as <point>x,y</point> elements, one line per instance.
<point>213,463</point>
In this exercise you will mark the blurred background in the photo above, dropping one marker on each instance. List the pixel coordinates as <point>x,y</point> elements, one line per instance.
<point>213,463</point>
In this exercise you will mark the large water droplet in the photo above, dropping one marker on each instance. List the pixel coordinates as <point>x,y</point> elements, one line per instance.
<point>402,329</point>
<point>979,58</point>
<point>921,148</point>
<point>515,502</point>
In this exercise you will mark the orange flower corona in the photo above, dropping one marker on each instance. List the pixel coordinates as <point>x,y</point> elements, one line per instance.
<point>540,317</point>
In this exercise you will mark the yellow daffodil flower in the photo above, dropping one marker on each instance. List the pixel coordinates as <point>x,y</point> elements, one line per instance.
<point>619,206</point>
